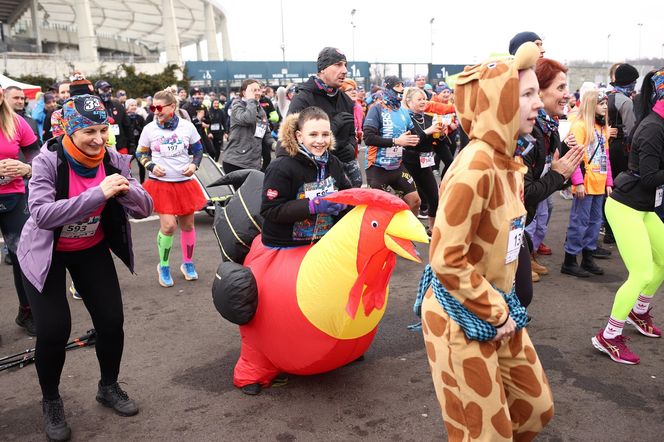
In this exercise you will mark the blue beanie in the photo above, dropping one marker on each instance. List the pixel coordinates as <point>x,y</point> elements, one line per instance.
<point>521,38</point>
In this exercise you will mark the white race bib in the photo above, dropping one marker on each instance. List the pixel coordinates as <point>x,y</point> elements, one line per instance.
<point>427,160</point>
<point>320,188</point>
<point>81,229</point>
<point>115,129</point>
<point>260,130</point>
<point>659,193</point>
<point>394,152</point>
<point>5,180</point>
<point>515,239</point>
<point>215,126</point>
<point>172,149</point>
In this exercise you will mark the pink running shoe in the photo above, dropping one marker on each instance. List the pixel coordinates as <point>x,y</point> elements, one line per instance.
<point>616,348</point>
<point>643,324</point>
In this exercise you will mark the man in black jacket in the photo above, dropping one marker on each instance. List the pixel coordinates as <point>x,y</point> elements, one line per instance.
<point>192,106</point>
<point>322,90</point>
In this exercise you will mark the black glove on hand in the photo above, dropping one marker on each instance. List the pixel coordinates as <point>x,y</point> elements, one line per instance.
<point>342,124</point>
<point>345,152</point>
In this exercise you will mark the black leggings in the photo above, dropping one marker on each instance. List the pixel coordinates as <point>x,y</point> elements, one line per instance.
<point>93,272</point>
<point>427,186</point>
<point>11,224</point>
<point>523,281</point>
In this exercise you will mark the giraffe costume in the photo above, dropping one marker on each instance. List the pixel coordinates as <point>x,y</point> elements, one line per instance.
<point>488,391</point>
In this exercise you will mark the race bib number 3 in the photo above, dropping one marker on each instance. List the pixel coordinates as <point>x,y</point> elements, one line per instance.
<point>515,239</point>
<point>81,229</point>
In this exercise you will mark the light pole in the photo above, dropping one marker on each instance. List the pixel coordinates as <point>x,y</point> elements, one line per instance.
<point>431,36</point>
<point>352,23</point>
<point>608,48</point>
<point>640,25</point>
<point>283,41</point>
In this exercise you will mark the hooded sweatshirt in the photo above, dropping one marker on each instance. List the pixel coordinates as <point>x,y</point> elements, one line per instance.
<point>478,232</point>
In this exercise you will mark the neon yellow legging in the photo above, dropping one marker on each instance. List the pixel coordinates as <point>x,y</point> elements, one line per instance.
<point>640,240</point>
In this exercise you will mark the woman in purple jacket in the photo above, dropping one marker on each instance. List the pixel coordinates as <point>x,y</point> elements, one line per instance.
<point>80,195</point>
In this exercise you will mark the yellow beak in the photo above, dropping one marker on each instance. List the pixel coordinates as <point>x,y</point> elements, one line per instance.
<point>402,230</point>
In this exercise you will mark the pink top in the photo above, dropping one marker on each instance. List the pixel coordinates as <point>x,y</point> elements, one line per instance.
<point>659,108</point>
<point>9,149</point>
<point>87,232</point>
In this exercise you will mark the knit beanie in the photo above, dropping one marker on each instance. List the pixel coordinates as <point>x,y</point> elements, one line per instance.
<point>626,74</point>
<point>520,39</point>
<point>82,111</point>
<point>391,81</point>
<point>329,56</point>
<point>79,85</point>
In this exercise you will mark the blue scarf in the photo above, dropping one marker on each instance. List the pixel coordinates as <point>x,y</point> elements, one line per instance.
<point>625,90</point>
<point>329,90</point>
<point>546,123</point>
<point>321,161</point>
<point>392,98</point>
<point>171,124</point>
<point>78,168</point>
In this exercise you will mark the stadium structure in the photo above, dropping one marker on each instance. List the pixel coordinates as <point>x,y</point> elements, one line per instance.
<point>94,30</point>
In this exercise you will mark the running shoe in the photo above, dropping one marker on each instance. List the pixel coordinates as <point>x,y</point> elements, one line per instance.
<point>74,292</point>
<point>165,279</point>
<point>189,271</point>
<point>643,324</point>
<point>566,194</point>
<point>616,348</point>
<point>422,214</point>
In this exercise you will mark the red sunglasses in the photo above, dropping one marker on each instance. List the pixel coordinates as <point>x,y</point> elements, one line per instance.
<point>158,108</point>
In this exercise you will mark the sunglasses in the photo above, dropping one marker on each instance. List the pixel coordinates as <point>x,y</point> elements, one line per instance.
<point>158,107</point>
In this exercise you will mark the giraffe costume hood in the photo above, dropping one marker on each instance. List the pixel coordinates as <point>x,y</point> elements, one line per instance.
<point>488,390</point>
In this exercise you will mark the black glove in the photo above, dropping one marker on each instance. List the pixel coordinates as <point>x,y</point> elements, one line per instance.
<point>342,124</point>
<point>345,152</point>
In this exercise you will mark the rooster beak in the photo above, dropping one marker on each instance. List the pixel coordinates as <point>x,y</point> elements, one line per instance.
<point>402,230</point>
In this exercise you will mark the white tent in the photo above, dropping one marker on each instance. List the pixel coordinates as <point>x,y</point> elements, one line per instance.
<point>29,89</point>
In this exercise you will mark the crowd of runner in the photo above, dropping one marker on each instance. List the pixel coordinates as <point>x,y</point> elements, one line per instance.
<point>66,187</point>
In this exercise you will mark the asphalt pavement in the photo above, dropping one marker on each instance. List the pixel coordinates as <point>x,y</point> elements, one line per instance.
<point>179,357</point>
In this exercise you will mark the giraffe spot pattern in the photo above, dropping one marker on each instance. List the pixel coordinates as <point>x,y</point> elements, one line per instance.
<point>474,225</point>
<point>475,254</point>
<point>449,380</point>
<point>495,140</point>
<point>484,187</point>
<point>474,419</point>
<point>502,162</point>
<point>436,323</point>
<point>524,379</point>
<point>435,238</point>
<point>487,349</point>
<point>453,406</point>
<point>480,305</point>
<point>531,356</point>
<point>501,424</point>
<point>454,256</point>
<point>498,70</point>
<point>454,434</point>
<point>516,344</point>
<point>501,386</point>
<point>431,351</point>
<point>476,375</point>
<point>481,161</point>
<point>546,416</point>
<point>475,280</point>
<point>508,106</point>
<point>498,195</point>
<point>474,89</point>
<point>449,281</point>
<point>512,182</point>
<point>520,411</point>
<point>483,102</point>
<point>526,436</point>
<point>486,231</point>
<point>457,207</point>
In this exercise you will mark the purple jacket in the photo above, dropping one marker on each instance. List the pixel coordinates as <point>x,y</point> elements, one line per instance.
<point>50,209</point>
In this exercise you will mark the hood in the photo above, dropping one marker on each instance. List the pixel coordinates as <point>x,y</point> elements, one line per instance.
<point>487,98</point>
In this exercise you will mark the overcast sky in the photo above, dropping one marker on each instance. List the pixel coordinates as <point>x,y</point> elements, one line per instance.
<point>464,31</point>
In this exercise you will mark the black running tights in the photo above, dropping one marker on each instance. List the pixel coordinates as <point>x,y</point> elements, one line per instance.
<point>95,278</point>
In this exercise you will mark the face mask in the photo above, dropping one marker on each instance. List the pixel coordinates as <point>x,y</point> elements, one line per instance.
<point>196,102</point>
<point>106,96</point>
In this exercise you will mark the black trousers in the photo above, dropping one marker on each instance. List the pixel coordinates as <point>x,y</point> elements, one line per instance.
<point>427,186</point>
<point>11,224</point>
<point>93,272</point>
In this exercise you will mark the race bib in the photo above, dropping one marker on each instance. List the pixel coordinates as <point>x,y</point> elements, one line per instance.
<point>6,180</point>
<point>115,129</point>
<point>260,130</point>
<point>515,239</point>
<point>603,164</point>
<point>81,229</point>
<point>215,126</point>
<point>171,149</point>
<point>659,193</point>
<point>319,188</point>
<point>394,152</point>
<point>547,166</point>
<point>427,160</point>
